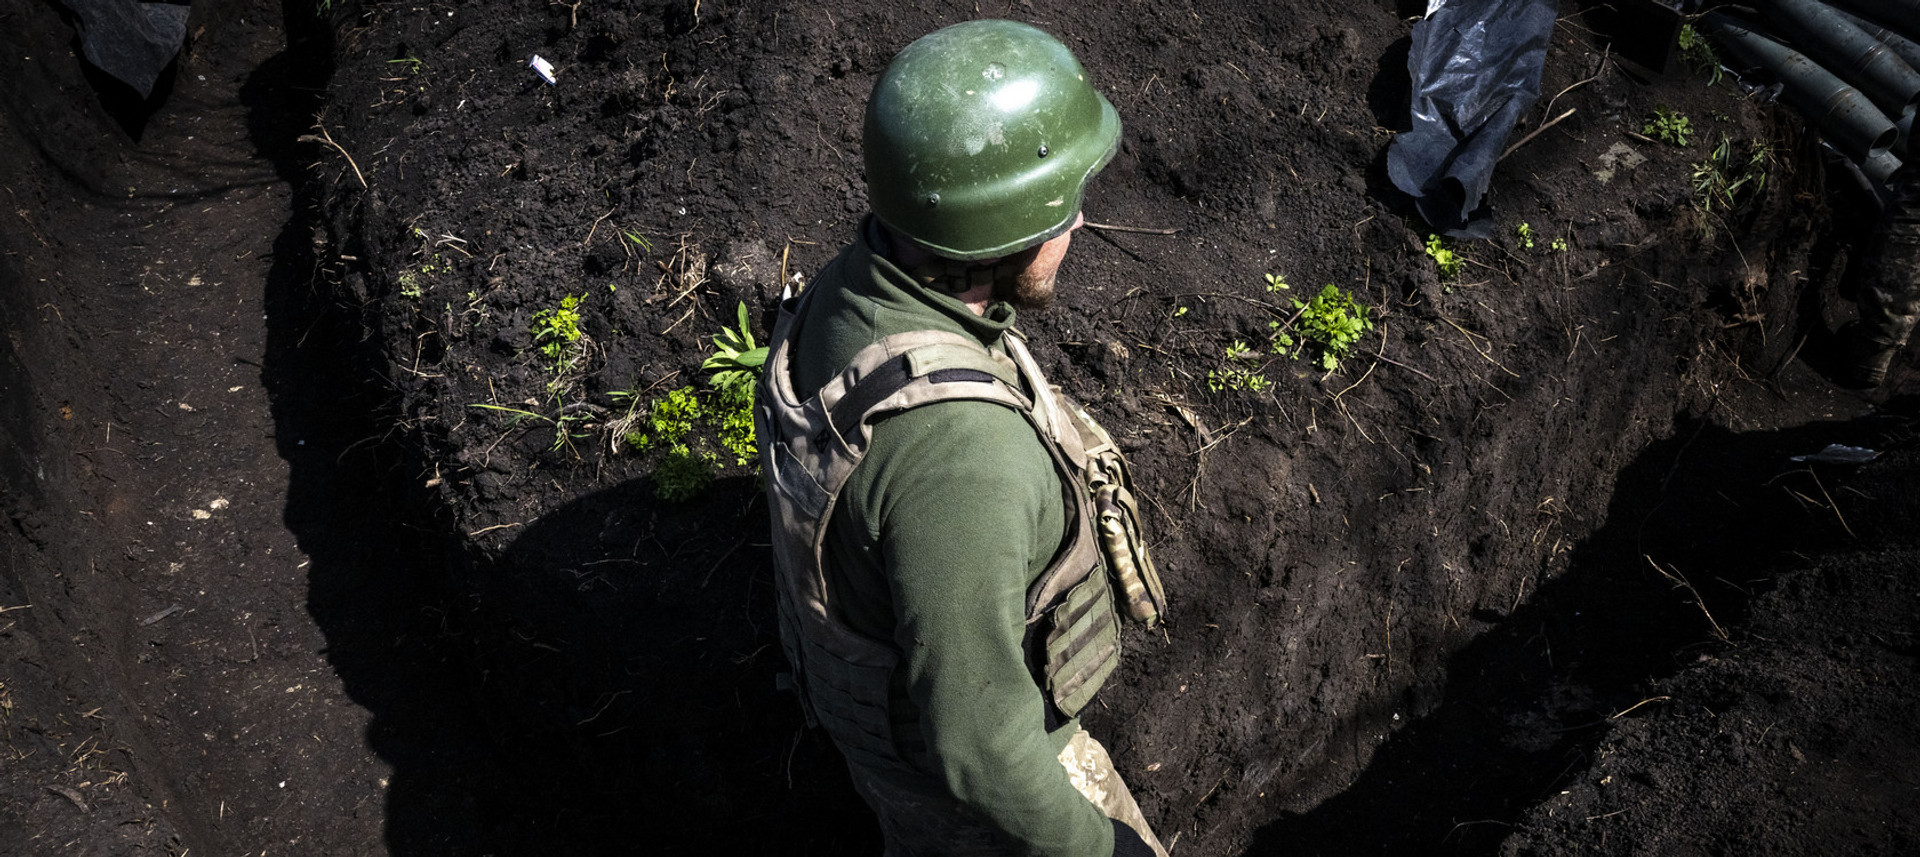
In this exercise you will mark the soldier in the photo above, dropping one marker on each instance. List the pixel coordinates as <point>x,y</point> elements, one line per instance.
<point>1890,293</point>
<point>947,527</point>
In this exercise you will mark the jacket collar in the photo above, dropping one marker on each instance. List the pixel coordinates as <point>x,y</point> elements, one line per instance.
<point>889,286</point>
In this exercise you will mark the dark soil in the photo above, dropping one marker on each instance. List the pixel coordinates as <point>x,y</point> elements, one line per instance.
<point>1532,573</point>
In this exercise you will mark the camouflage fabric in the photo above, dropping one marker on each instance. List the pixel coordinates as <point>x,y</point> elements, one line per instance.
<point>918,822</point>
<point>1091,770</point>
<point>1890,297</point>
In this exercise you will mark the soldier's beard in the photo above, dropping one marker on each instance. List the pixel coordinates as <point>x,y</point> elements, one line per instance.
<point>1032,288</point>
<point>1027,290</point>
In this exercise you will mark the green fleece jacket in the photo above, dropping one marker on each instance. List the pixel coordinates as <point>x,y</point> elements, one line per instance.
<point>937,536</point>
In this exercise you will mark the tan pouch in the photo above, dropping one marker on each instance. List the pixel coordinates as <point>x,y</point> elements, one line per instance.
<point>1117,521</point>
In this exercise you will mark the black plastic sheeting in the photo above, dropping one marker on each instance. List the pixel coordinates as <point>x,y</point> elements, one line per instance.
<point>130,40</point>
<point>1475,66</point>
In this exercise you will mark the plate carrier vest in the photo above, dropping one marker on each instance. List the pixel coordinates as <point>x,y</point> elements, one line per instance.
<point>809,448</point>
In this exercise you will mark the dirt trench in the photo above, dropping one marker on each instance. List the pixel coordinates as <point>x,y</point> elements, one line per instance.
<point>293,590</point>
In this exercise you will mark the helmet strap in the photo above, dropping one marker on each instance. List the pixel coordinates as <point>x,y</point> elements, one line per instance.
<point>952,276</point>
<point>955,277</point>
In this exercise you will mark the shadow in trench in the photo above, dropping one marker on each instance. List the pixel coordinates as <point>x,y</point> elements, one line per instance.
<point>605,685</point>
<point>377,565</point>
<point>629,651</point>
<point>1525,703</point>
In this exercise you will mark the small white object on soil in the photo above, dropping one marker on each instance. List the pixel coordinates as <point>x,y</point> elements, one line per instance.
<point>543,68</point>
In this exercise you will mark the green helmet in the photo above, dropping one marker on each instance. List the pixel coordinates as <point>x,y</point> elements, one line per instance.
<point>980,138</point>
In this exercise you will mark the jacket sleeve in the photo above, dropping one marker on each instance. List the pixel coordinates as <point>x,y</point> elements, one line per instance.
<point>1127,841</point>
<point>967,510</point>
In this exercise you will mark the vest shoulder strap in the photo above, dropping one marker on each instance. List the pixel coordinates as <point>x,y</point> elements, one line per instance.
<point>947,367</point>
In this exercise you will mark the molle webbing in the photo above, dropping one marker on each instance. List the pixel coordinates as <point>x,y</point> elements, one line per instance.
<point>811,446</point>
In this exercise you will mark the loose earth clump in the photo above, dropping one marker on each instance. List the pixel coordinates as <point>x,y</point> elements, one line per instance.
<point>1514,566</point>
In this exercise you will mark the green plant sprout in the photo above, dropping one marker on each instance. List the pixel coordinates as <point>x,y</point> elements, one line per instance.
<point>1730,173</point>
<point>1526,235</point>
<point>1331,323</point>
<point>409,282</point>
<point>1698,53</point>
<point>411,64</point>
<point>1559,245</point>
<point>735,363</point>
<point>685,469</point>
<point>1669,126</point>
<point>1276,284</point>
<point>562,426</point>
<point>1447,261</point>
<point>736,434</point>
<point>682,474</point>
<point>1239,370</point>
<point>638,240</point>
<point>556,332</point>
<point>413,281</point>
<point>673,425</point>
<point>669,420</point>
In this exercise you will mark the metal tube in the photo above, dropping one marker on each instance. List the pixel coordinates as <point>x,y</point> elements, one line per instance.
<point>1854,125</point>
<point>1901,15</point>
<point>1906,48</point>
<point>1880,167</point>
<point>1850,52</point>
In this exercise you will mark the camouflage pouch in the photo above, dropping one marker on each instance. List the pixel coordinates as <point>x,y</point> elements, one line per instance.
<point>1117,522</point>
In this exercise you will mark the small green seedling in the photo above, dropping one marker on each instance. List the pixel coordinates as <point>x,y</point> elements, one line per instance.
<point>1239,370</point>
<point>1730,174</point>
<point>1669,126</point>
<point>1276,284</point>
<point>1332,323</point>
<point>684,470</point>
<point>1559,245</point>
<point>682,474</point>
<point>669,420</point>
<point>1698,53</point>
<point>411,65</point>
<point>562,427</point>
<point>410,286</point>
<point>1447,261</point>
<point>637,240</point>
<point>556,332</point>
<point>736,362</point>
<point>1526,235</point>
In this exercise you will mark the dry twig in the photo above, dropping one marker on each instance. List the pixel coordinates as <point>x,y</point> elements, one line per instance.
<point>324,137</point>
<point>1143,230</point>
<point>1629,709</point>
<point>1537,132</point>
<point>1831,504</point>
<point>595,227</point>
<point>1679,579</point>
<point>1476,346</point>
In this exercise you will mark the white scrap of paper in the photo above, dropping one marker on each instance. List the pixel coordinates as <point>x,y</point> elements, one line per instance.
<point>543,68</point>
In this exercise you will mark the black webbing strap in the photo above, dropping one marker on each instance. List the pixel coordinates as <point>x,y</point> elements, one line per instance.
<point>881,383</point>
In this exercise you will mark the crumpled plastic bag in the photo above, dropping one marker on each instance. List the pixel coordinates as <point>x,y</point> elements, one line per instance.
<point>1839,453</point>
<point>1476,66</point>
<point>130,40</point>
